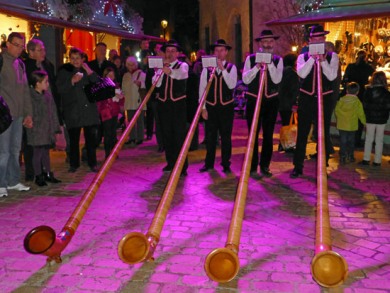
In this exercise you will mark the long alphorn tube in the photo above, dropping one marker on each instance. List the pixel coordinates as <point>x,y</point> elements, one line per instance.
<point>136,247</point>
<point>329,269</point>
<point>222,264</point>
<point>43,239</point>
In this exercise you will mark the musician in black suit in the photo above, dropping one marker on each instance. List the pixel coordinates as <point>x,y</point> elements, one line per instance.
<point>219,107</point>
<point>307,101</point>
<point>171,107</point>
<point>269,103</point>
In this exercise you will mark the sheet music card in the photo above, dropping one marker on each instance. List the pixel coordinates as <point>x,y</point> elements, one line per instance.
<point>209,61</point>
<point>317,49</point>
<point>155,62</point>
<point>263,57</point>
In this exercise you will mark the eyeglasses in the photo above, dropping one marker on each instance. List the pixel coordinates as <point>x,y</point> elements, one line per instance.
<point>18,45</point>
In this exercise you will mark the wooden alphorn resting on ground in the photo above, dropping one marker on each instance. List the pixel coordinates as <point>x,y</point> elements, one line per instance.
<point>222,264</point>
<point>43,239</point>
<point>136,247</point>
<point>328,268</point>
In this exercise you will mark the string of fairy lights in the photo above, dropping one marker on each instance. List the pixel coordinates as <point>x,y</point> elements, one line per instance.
<point>309,5</point>
<point>88,11</point>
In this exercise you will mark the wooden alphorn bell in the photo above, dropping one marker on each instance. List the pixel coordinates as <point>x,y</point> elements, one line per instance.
<point>222,264</point>
<point>136,247</point>
<point>328,268</point>
<point>43,239</point>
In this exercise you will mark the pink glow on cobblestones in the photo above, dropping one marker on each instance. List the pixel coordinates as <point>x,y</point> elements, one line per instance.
<point>277,239</point>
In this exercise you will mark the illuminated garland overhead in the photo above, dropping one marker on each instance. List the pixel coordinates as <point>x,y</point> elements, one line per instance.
<point>309,5</point>
<point>87,11</point>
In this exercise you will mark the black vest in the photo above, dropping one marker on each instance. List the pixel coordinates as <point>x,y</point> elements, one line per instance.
<point>308,85</point>
<point>219,92</point>
<point>271,90</point>
<point>173,89</point>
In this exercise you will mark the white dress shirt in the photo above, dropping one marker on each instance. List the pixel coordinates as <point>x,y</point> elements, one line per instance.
<point>249,73</point>
<point>328,69</point>
<point>229,77</point>
<point>179,73</point>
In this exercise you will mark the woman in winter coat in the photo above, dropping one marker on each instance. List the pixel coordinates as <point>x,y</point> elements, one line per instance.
<point>45,125</point>
<point>376,103</point>
<point>78,112</point>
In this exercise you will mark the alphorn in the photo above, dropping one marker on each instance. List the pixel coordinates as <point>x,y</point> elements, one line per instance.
<point>43,239</point>
<point>328,268</point>
<point>222,264</point>
<point>136,247</point>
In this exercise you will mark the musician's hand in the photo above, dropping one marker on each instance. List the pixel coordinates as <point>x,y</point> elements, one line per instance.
<point>166,70</point>
<point>205,115</point>
<point>220,64</point>
<point>321,57</point>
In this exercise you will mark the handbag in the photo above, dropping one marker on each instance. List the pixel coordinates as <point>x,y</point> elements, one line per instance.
<point>288,133</point>
<point>5,116</point>
<point>101,90</point>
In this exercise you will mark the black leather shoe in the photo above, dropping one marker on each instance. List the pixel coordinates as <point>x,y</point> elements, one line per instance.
<point>226,170</point>
<point>40,180</point>
<point>265,171</point>
<point>204,169</point>
<point>50,178</point>
<point>296,173</point>
<point>167,169</point>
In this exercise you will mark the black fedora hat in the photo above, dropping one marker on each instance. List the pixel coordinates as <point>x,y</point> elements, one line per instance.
<point>220,43</point>
<point>172,43</point>
<point>318,30</point>
<point>266,34</point>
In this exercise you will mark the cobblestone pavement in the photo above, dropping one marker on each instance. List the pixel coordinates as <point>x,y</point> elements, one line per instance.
<point>277,239</point>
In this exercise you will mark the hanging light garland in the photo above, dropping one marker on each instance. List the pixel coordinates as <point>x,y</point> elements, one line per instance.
<point>87,11</point>
<point>309,5</point>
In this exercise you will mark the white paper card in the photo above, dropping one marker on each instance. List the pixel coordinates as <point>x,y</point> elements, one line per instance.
<point>263,57</point>
<point>155,62</point>
<point>317,49</point>
<point>209,61</point>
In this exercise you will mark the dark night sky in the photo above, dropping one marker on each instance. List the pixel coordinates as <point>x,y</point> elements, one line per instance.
<point>182,17</point>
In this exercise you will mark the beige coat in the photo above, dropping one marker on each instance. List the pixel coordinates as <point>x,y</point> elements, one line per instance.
<point>130,89</point>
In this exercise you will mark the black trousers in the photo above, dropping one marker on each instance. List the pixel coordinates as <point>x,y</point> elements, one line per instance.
<point>28,152</point>
<point>153,105</point>
<point>267,120</point>
<point>41,159</point>
<point>109,134</point>
<point>220,119</point>
<point>307,113</point>
<point>90,136</point>
<point>149,119</point>
<point>285,115</point>
<point>173,118</point>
